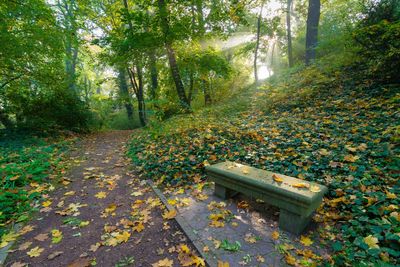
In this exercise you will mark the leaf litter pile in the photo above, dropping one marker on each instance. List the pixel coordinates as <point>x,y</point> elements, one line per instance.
<point>344,136</point>
<point>100,214</point>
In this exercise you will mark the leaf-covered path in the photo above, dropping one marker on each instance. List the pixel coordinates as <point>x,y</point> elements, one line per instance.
<point>102,215</point>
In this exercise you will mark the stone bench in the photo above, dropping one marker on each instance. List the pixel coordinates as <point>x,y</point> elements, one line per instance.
<point>297,199</point>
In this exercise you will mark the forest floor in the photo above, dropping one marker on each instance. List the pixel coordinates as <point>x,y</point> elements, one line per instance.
<point>102,215</point>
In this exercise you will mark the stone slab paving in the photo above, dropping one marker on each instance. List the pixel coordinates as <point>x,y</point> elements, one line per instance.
<point>249,218</point>
<point>194,219</point>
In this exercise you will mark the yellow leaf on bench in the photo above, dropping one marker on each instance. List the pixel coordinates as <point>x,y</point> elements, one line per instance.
<point>301,185</point>
<point>277,178</point>
<point>315,189</point>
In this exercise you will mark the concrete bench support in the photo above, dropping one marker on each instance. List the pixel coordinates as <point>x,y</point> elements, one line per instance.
<point>296,204</point>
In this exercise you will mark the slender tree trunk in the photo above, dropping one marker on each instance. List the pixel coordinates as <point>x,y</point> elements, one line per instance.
<point>140,97</point>
<point>124,92</point>
<point>272,54</point>
<point>257,42</point>
<point>314,8</point>
<point>200,17</point>
<point>207,95</point>
<point>191,86</point>
<point>171,56</point>
<point>153,75</point>
<point>289,32</point>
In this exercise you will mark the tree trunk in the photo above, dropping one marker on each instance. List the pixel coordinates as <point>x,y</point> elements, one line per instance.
<point>289,32</point>
<point>171,56</point>
<point>257,42</point>
<point>200,17</point>
<point>124,92</point>
<point>140,97</point>
<point>314,7</point>
<point>153,75</point>
<point>207,95</point>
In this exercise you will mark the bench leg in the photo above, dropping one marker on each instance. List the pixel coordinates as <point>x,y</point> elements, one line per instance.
<point>223,192</point>
<point>293,223</point>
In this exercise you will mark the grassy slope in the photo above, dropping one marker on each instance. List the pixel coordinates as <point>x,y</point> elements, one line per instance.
<point>333,128</point>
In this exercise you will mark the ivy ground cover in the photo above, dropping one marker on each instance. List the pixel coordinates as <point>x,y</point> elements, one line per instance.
<point>27,165</point>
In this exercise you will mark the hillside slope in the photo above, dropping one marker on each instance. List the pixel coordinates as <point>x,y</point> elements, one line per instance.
<point>334,128</point>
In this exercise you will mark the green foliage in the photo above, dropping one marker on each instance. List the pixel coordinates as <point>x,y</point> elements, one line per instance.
<point>26,167</point>
<point>380,48</point>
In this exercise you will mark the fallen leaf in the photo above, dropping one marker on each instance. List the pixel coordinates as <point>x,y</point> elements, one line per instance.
<point>371,241</point>
<point>123,237</point>
<point>138,227</point>
<point>277,178</point>
<point>54,254</point>
<point>101,195</point>
<point>168,215</point>
<point>35,252</point>
<point>315,189</point>
<point>301,185</point>
<point>42,237</point>
<point>95,247</point>
<point>18,264</point>
<point>275,235</point>
<point>81,262</point>
<point>260,258</point>
<point>306,241</point>
<point>56,236</point>
<point>24,246</point>
<point>290,259</point>
<point>137,194</point>
<point>163,263</point>
<point>223,264</point>
<point>46,203</point>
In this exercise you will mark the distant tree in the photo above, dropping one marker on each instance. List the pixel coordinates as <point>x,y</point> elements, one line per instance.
<point>289,32</point>
<point>314,8</point>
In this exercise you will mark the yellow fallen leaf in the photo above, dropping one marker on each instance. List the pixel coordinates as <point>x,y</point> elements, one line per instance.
<point>301,185</point>
<point>223,264</point>
<point>206,249</point>
<point>290,259</point>
<point>123,237</point>
<point>137,194</point>
<point>306,241</point>
<point>35,252</point>
<point>351,158</point>
<point>315,189</point>
<point>198,261</point>
<point>46,203</point>
<point>5,239</point>
<point>56,236</point>
<point>275,235</point>
<point>138,227</point>
<point>84,223</point>
<point>101,194</point>
<point>69,193</point>
<point>163,263</point>
<point>277,178</point>
<point>185,249</point>
<point>371,241</point>
<point>260,258</point>
<point>168,215</point>
<point>110,208</point>
<point>172,202</point>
